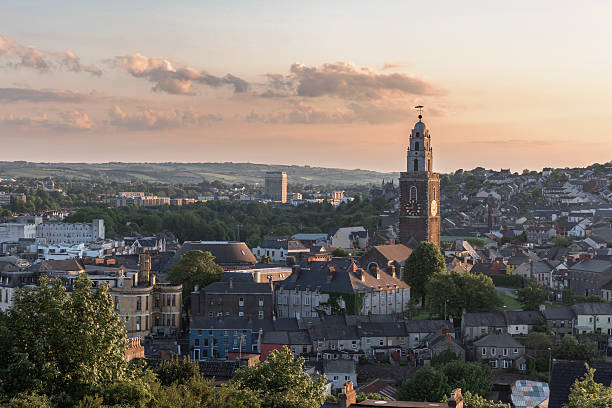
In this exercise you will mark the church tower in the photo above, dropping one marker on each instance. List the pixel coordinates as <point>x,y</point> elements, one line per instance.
<point>419,191</point>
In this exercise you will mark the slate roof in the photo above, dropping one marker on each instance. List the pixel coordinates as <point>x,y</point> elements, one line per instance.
<point>225,253</point>
<point>593,265</point>
<point>498,340</point>
<point>287,245</point>
<point>522,317</point>
<point>518,260</point>
<point>593,308</point>
<point>339,366</point>
<point>565,373</point>
<point>559,313</point>
<point>382,329</point>
<point>427,326</point>
<point>495,319</point>
<point>398,252</point>
<point>238,287</point>
<point>289,338</point>
<point>68,265</point>
<point>382,387</point>
<point>230,323</point>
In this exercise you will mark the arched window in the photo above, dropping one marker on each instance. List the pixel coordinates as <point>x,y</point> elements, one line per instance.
<point>416,146</point>
<point>413,193</point>
<point>416,165</point>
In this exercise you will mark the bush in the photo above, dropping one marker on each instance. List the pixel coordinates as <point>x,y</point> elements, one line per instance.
<point>339,252</point>
<point>443,358</point>
<point>507,281</point>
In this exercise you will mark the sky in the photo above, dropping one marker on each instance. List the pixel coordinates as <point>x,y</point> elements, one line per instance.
<point>515,85</point>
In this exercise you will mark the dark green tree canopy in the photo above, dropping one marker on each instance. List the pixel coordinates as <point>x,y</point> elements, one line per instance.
<point>532,295</point>
<point>424,262</point>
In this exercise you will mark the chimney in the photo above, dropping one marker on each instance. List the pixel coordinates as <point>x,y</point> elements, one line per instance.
<point>393,271</point>
<point>378,273</point>
<point>330,273</point>
<point>144,261</point>
<point>348,397</point>
<point>296,270</point>
<point>230,283</point>
<point>271,282</point>
<point>456,400</point>
<point>358,323</point>
<point>361,274</point>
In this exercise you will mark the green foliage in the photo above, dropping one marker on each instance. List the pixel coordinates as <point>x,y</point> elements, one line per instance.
<point>443,358</point>
<point>362,396</point>
<point>59,344</point>
<point>476,401</point>
<point>218,220</point>
<point>570,349</point>
<point>532,295</point>
<point>169,372</point>
<point>422,264</point>
<point>29,401</point>
<point>194,268</point>
<point>538,341</point>
<point>352,303</point>
<point>280,382</point>
<point>507,281</point>
<point>428,384</point>
<point>433,383</point>
<point>339,252</point>
<point>561,241</point>
<point>461,290</point>
<point>586,392</point>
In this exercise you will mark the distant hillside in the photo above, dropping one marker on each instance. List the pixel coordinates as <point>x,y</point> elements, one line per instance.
<point>191,172</point>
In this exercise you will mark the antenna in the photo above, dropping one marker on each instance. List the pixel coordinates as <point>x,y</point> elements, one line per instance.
<point>420,108</point>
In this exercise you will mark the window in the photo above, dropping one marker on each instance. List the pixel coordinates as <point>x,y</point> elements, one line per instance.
<point>484,351</point>
<point>116,302</point>
<point>413,193</point>
<point>138,302</point>
<point>505,364</point>
<point>493,351</point>
<point>416,146</point>
<point>261,302</point>
<point>173,300</point>
<point>381,342</point>
<point>241,301</point>
<point>146,303</point>
<point>219,314</point>
<point>138,321</point>
<point>335,378</point>
<point>333,346</point>
<point>167,300</point>
<point>562,323</point>
<point>416,165</point>
<point>210,314</point>
<point>493,363</point>
<point>505,352</point>
<point>205,342</point>
<point>196,342</point>
<point>173,320</point>
<point>516,351</point>
<point>523,367</point>
<point>240,314</point>
<point>347,377</point>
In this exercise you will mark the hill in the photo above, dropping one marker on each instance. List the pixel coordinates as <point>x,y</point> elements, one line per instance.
<point>227,172</point>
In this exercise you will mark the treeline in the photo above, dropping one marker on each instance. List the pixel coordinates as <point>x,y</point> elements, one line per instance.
<point>231,220</point>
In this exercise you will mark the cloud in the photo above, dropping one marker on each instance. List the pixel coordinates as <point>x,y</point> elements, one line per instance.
<point>175,77</point>
<point>157,119</point>
<point>31,57</point>
<point>65,121</point>
<point>346,81</point>
<point>392,65</point>
<point>11,95</point>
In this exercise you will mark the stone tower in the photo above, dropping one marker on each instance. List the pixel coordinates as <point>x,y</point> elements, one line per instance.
<point>419,191</point>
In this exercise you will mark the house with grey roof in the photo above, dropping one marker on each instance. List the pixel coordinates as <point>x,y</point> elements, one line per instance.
<point>593,318</point>
<point>522,322</point>
<point>560,320</point>
<point>588,276</point>
<point>325,287</point>
<point>349,237</point>
<point>381,339</point>
<point>278,249</point>
<point>500,351</point>
<point>474,325</point>
<point>339,372</point>
<point>419,329</point>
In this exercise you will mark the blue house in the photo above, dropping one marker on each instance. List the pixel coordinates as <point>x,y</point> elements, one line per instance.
<point>215,338</point>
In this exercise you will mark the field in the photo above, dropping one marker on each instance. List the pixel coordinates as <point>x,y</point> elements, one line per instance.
<point>249,173</point>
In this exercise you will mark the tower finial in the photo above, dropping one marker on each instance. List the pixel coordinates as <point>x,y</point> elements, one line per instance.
<point>420,108</point>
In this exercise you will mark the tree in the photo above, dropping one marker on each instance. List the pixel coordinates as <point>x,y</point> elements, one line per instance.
<point>470,377</point>
<point>539,341</point>
<point>195,268</point>
<point>428,384</point>
<point>476,401</point>
<point>586,392</point>
<point>175,371</point>
<point>461,291</point>
<point>561,241</point>
<point>423,263</point>
<point>532,295</point>
<point>63,346</point>
<point>570,349</point>
<point>339,252</point>
<point>280,382</point>
<point>443,358</point>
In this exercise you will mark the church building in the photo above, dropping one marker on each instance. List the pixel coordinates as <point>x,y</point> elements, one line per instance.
<point>419,191</point>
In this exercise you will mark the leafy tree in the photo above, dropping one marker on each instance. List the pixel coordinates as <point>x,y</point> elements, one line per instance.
<point>195,268</point>
<point>424,262</point>
<point>532,295</point>
<point>428,384</point>
<point>461,290</point>
<point>470,377</point>
<point>476,401</point>
<point>443,358</point>
<point>586,392</point>
<point>169,372</point>
<point>362,396</point>
<point>280,382</point>
<point>340,252</point>
<point>538,341</point>
<point>63,346</point>
<point>561,241</point>
<point>570,349</point>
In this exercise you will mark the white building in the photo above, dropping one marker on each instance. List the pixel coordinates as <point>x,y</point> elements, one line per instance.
<point>349,238</point>
<point>71,233</point>
<point>12,232</point>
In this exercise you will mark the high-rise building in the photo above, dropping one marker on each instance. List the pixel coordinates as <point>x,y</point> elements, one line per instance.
<point>420,191</point>
<point>276,186</point>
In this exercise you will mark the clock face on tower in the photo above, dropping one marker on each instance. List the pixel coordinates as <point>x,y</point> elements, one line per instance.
<point>413,208</point>
<point>434,208</point>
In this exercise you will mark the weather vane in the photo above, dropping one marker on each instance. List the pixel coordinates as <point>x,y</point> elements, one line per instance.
<point>420,108</point>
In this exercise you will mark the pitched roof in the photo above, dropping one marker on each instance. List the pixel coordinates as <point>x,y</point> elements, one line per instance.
<point>240,286</point>
<point>495,319</point>
<point>339,366</point>
<point>382,387</point>
<point>498,340</point>
<point>593,265</point>
<point>523,317</point>
<point>225,253</point>
<point>427,326</point>
<point>559,313</point>
<point>593,308</point>
<point>398,252</point>
<point>565,373</point>
<point>229,323</point>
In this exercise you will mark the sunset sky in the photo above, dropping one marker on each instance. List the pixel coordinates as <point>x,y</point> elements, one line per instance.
<point>518,84</point>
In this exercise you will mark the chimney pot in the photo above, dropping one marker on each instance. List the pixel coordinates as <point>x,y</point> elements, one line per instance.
<point>230,283</point>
